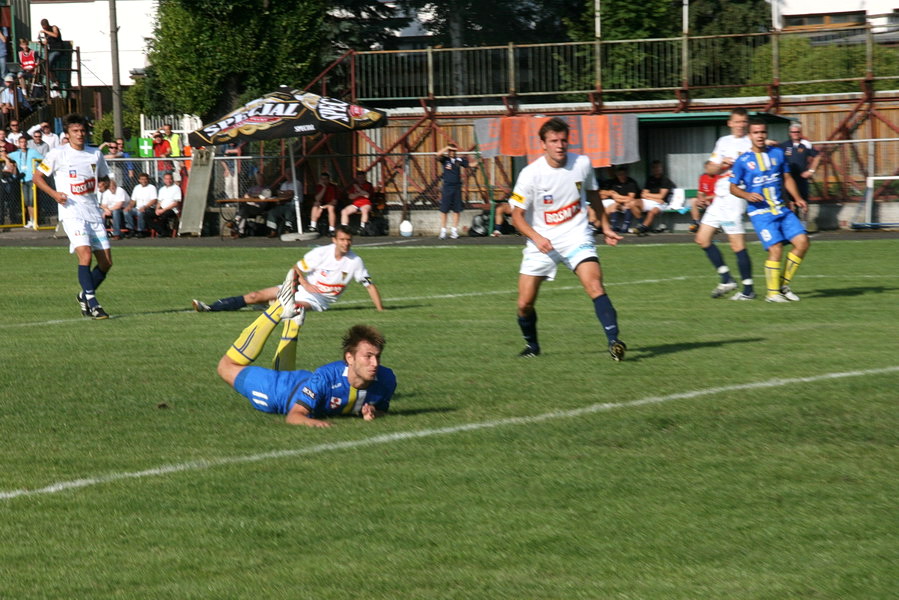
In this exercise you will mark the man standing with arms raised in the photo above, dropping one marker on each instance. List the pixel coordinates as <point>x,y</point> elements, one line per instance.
<point>75,170</point>
<point>549,207</point>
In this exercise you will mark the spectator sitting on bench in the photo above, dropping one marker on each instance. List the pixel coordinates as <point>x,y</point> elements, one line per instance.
<point>653,197</point>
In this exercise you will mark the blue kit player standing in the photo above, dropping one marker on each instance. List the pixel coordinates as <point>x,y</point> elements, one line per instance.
<point>549,207</point>
<point>356,385</point>
<point>764,173</point>
<point>75,170</point>
<point>451,197</point>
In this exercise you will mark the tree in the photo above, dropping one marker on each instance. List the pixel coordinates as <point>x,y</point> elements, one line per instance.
<point>478,23</point>
<point>209,55</point>
<point>360,25</point>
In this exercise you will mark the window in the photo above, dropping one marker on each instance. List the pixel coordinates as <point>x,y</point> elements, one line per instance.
<point>847,19</point>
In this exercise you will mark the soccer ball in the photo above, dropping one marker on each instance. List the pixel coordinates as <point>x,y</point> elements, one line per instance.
<point>406,228</point>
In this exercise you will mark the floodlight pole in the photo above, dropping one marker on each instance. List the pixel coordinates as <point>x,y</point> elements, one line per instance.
<point>116,83</point>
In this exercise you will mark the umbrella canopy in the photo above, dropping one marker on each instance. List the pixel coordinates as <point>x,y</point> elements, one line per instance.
<point>284,114</point>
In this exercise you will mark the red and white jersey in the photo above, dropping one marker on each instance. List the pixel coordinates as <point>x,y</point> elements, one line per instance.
<point>555,199</point>
<point>330,274</point>
<point>728,147</point>
<point>75,173</point>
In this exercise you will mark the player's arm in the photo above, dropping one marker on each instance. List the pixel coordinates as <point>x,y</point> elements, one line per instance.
<point>610,236</point>
<point>41,182</point>
<point>525,229</point>
<point>300,415</point>
<point>370,412</point>
<point>372,290</point>
<point>790,184</point>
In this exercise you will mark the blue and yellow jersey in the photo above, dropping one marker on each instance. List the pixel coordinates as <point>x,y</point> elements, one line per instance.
<point>762,173</point>
<point>328,391</point>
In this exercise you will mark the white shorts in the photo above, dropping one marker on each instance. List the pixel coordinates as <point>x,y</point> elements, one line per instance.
<point>648,205</point>
<point>316,302</point>
<point>534,262</point>
<point>726,212</point>
<point>85,233</point>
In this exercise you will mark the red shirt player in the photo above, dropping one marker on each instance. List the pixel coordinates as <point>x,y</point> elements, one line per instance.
<point>705,195</point>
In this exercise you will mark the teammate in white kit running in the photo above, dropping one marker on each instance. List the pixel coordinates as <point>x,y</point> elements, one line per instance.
<point>75,170</point>
<point>726,211</point>
<point>549,207</point>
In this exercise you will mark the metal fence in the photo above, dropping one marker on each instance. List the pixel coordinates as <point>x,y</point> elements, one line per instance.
<point>797,61</point>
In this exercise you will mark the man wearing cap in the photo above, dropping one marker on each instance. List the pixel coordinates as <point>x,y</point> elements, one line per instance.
<point>9,97</point>
<point>162,149</point>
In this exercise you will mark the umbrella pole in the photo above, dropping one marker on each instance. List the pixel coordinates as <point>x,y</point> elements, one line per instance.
<point>296,191</point>
<point>297,200</point>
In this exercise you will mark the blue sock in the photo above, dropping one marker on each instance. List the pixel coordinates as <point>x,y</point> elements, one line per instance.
<point>97,275</point>
<point>718,261</point>
<point>744,264</point>
<point>87,285</point>
<point>232,303</point>
<point>628,215</point>
<point>606,314</point>
<point>528,325</point>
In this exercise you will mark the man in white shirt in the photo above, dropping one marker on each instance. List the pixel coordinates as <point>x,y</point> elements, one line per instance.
<point>726,211</point>
<point>323,274</point>
<point>549,207</point>
<point>51,139</point>
<point>167,206</point>
<point>144,196</point>
<point>116,204</point>
<point>75,170</point>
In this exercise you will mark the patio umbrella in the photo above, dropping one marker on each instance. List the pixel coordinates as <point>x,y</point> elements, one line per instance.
<point>287,113</point>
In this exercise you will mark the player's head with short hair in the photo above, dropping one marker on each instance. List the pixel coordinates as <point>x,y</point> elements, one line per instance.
<point>555,125</point>
<point>342,229</point>
<point>757,121</point>
<point>362,333</point>
<point>739,117</point>
<point>73,119</point>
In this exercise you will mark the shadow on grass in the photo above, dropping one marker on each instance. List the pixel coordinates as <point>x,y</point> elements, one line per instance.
<point>411,412</point>
<point>850,291</point>
<point>637,354</point>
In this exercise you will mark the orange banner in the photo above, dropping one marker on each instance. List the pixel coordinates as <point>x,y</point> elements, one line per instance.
<point>595,139</point>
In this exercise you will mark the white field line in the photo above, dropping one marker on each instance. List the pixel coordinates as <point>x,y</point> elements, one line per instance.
<point>198,465</point>
<point>543,290</point>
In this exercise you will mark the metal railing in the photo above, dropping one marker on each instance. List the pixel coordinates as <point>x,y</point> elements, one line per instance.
<point>805,60</point>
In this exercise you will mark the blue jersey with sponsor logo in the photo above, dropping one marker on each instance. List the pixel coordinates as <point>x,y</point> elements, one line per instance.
<point>325,392</point>
<point>762,173</point>
<point>329,393</point>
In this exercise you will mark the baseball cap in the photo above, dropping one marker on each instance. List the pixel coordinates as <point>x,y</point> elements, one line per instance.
<point>9,77</point>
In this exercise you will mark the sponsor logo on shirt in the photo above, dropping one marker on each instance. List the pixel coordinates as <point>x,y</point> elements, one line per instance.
<point>766,179</point>
<point>547,199</point>
<point>334,402</point>
<point>73,173</point>
<point>566,213</point>
<point>85,187</point>
<point>308,392</point>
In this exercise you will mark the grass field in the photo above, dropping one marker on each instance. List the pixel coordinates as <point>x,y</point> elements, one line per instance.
<point>742,450</point>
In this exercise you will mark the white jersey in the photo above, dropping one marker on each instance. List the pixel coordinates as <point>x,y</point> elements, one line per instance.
<point>728,147</point>
<point>75,173</point>
<point>169,195</point>
<point>110,198</point>
<point>555,199</point>
<point>331,275</point>
<point>143,195</point>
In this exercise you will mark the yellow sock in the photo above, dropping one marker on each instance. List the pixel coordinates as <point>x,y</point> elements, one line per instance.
<point>772,276</point>
<point>793,263</point>
<point>286,355</point>
<point>249,343</point>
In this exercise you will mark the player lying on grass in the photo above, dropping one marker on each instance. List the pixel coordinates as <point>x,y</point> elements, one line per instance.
<point>356,385</point>
<point>324,273</point>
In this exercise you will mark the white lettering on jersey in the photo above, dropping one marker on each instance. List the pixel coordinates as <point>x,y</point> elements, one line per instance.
<point>561,215</point>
